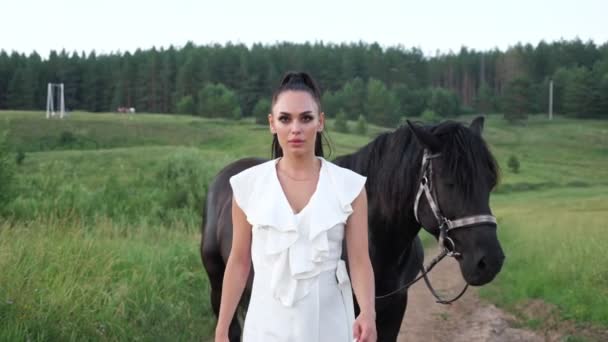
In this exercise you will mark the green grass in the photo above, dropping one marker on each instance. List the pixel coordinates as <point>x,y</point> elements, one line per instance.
<point>68,282</point>
<point>103,239</point>
<point>30,131</point>
<point>556,153</point>
<point>555,245</point>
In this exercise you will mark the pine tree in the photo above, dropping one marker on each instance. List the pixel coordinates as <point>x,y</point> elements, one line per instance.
<point>516,101</point>
<point>381,104</point>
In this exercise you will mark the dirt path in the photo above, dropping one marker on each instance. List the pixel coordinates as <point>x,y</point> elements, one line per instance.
<point>468,319</point>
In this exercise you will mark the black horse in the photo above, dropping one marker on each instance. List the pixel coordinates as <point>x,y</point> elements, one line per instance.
<point>460,172</point>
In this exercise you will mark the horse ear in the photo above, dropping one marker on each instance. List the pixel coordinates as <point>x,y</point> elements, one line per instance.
<point>477,125</point>
<point>426,138</point>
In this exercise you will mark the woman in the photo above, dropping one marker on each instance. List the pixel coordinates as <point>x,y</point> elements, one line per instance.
<point>290,216</point>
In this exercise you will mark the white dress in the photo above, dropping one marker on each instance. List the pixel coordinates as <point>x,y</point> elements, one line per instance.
<point>301,290</point>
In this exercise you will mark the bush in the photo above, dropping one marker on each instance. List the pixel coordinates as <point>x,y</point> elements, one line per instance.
<point>185,105</point>
<point>260,112</point>
<point>67,138</point>
<point>217,101</point>
<point>184,178</point>
<point>444,102</point>
<point>430,116</point>
<point>20,157</point>
<point>361,127</point>
<point>340,125</point>
<point>513,164</point>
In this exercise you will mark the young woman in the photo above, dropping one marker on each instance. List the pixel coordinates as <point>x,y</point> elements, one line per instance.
<point>290,216</point>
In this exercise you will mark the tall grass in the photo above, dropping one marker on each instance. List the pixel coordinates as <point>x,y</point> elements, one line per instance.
<point>157,185</point>
<point>555,242</point>
<point>71,282</point>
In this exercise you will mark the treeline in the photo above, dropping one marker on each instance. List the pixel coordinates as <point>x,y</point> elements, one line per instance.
<point>383,85</point>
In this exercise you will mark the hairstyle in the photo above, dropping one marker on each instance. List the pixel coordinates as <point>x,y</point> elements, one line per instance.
<point>298,81</point>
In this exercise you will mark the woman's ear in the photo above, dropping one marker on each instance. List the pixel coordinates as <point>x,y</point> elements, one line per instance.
<point>321,122</point>
<point>271,124</point>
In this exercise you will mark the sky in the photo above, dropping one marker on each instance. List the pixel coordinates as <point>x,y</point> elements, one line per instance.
<point>430,25</point>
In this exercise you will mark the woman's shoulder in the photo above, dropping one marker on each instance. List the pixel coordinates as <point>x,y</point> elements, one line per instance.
<point>249,181</point>
<point>254,171</point>
<point>347,184</point>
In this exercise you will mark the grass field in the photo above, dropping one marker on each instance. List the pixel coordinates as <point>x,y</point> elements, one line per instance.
<point>555,244</point>
<point>103,240</point>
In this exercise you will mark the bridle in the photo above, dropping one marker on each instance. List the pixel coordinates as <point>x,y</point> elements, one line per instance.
<point>445,225</point>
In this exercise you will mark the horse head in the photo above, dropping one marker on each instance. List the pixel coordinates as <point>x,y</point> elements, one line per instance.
<point>457,175</point>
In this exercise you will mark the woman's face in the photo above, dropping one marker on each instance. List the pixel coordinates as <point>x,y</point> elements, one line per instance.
<point>296,120</point>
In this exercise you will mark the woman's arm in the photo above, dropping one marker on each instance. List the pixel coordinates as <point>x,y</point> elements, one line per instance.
<point>237,270</point>
<point>361,271</point>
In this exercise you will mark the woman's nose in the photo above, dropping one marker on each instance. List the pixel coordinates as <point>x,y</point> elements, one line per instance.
<point>296,127</point>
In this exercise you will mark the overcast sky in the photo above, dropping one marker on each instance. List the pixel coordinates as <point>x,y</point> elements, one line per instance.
<point>431,25</point>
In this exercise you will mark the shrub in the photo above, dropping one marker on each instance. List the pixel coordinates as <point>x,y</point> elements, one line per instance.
<point>361,127</point>
<point>430,116</point>
<point>513,164</point>
<point>340,125</point>
<point>260,112</point>
<point>184,179</point>
<point>20,157</point>
<point>185,105</point>
<point>67,138</point>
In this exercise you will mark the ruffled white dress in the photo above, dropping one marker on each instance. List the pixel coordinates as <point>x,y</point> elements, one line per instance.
<point>301,290</point>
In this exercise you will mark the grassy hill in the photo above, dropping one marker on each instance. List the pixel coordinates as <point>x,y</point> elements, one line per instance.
<point>103,240</point>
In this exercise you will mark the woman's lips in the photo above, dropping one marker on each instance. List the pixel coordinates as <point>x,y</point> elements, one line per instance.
<point>296,142</point>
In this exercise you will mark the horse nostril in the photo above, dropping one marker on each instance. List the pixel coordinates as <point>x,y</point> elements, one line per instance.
<point>481,265</point>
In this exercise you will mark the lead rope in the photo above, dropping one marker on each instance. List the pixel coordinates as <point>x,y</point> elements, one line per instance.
<point>424,270</point>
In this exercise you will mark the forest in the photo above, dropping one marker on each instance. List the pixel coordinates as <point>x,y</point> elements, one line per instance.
<point>362,81</point>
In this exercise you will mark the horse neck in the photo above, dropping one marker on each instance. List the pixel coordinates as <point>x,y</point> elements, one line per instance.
<point>392,182</point>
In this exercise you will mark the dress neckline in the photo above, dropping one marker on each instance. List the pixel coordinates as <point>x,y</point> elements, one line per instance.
<point>284,196</point>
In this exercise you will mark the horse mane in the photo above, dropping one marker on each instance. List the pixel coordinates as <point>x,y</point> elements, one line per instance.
<point>466,157</point>
<point>392,164</point>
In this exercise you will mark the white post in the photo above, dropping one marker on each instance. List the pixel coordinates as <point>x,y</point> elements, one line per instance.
<point>48,101</point>
<point>52,100</point>
<point>62,103</point>
<point>551,100</point>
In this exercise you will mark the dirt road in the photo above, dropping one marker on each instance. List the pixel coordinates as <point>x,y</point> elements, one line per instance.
<point>469,319</point>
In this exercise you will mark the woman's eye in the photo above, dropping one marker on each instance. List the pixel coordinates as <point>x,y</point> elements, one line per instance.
<point>283,119</point>
<point>307,118</point>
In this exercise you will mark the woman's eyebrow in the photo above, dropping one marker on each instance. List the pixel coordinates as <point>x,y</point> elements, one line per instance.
<point>303,113</point>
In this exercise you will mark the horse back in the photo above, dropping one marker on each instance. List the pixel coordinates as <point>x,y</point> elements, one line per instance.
<point>217,211</point>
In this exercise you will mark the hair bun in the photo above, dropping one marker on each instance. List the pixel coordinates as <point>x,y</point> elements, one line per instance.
<point>293,78</point>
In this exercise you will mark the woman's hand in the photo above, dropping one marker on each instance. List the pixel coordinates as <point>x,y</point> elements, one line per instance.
<point>364,329</point>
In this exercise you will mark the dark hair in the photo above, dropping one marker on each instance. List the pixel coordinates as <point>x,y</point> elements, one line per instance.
<point>298,81</point>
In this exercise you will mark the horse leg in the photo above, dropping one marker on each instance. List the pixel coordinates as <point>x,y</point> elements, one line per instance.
<point>388,322</point>
<point>215,267</point>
